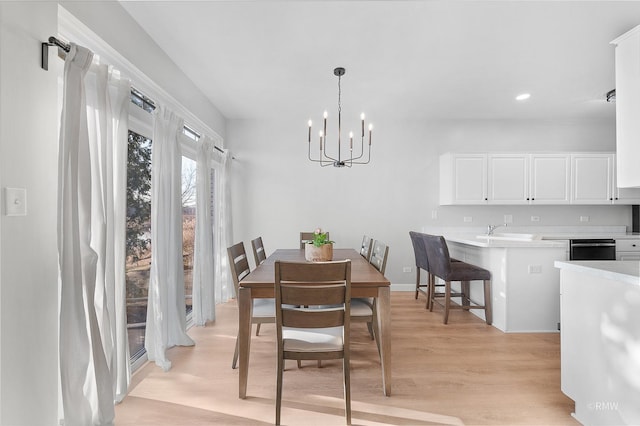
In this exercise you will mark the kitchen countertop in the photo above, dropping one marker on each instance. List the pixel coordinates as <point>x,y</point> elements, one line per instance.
<point>623,271</point>
<point>473,240</point>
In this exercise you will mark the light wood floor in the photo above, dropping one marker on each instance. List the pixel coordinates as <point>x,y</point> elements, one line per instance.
<point>462,373</point>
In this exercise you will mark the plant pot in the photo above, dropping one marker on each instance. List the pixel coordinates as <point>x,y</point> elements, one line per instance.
<point>324,253</point>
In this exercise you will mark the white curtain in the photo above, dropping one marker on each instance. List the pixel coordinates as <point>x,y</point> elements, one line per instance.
<point>224,289</point>
<point>203,265</point>
<point>166,311</point>
<point>94,359</point>
<point>211,280</point>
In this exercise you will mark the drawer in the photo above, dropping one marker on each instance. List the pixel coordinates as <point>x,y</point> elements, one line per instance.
<point>628,245</point>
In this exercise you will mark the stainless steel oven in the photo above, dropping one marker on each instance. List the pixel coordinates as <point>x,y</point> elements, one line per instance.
<point>592,249</point>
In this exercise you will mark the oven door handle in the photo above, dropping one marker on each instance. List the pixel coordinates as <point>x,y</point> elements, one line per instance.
<point>593,245</point>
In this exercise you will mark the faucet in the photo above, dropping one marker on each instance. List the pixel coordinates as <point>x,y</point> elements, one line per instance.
<point>491,228</point>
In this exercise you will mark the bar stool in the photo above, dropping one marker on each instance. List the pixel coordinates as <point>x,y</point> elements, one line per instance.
<point>420,252</point>
<point>441,266</point>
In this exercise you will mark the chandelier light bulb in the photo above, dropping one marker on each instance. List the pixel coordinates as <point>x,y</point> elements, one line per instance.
<point>310,123</point>
<point>362,116</point>
<point>326,114</point>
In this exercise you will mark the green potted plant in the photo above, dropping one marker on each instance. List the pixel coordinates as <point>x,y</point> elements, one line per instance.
<point>320,249</point>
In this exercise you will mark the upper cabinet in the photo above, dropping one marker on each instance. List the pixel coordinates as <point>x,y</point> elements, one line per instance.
<point>508,179</point>
<point>540,178</point>
<point>463,179</point>
<point>592,178</point>
<point>550,178</point>
<point>627,64</point>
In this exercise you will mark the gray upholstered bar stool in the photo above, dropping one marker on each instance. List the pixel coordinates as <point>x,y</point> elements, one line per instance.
<point>441,266</point>
<point>420,252</point>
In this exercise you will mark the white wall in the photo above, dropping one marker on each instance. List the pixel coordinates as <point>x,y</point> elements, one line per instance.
<point>278,193</point>
<point>28,252</point>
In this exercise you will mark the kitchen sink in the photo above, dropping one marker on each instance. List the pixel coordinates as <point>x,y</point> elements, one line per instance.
<point>509,237</point>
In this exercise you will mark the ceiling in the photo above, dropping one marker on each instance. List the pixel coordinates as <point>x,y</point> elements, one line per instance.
<point>425,60</point>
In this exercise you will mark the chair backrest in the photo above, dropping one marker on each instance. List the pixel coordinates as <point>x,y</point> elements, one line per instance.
<point>379,255</point>
<point>238,263</point>
<point>306,237</point>
<point>419,250</point>
<point>258,251</point>
<point>438,254</point>
<point>310,284</point>
<point>365,248</point>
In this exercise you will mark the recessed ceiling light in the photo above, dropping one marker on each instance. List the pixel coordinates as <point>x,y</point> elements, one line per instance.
<point>523,97</point>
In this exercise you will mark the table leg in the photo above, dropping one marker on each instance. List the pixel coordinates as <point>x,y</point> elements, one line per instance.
<point>383,306</point>
<point>245,308</point>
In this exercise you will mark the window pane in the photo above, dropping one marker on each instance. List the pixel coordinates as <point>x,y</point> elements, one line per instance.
<point>188,226</point>
<point>138,239</point>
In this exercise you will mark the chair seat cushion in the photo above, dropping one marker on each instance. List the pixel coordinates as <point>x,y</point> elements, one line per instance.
<point>312,339</point>
<point>361,307</point>
<point>463,271</point>
<point>264,308</point>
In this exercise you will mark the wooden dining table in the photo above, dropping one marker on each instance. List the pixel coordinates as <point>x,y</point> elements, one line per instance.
<point>366,281</point>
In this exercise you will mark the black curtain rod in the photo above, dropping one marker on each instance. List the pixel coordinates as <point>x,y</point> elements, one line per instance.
<point>45,50</point>
<point>67,47</point>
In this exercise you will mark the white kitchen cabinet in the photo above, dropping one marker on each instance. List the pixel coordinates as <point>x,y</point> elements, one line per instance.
<point>627,64</point>
<point>550,178</point>
<point>463,179</point>
<point>508,179</point>
<point>628,249</point>
<point>592,178</point>
<point>624,195</point>
<point>599,313</point>
<point>532,178</point>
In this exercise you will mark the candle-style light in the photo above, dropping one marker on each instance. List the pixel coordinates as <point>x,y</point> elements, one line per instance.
<point>336,159</point>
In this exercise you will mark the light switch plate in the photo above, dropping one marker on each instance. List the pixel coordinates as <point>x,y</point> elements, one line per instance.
<point>15,201</point>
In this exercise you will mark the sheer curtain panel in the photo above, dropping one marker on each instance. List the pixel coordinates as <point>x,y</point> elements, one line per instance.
<point>211,282</point>
<point>203,265</point>
<point>94,356</point>
<point>222,226</point>
<point>166,312</point>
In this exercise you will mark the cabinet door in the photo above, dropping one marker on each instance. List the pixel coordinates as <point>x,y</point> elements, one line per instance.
<point>624,195</point>
<point>508,179</point>
<point>592,178</point>
<point>627,62</point>
<point>470,179</point>
<point>550,179</point>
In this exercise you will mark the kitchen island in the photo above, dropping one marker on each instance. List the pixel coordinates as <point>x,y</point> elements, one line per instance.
<point>525,286</point>
<point>600,340</point>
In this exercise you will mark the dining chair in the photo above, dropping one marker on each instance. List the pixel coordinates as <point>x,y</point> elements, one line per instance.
<point>365,247</point>
<point>363,309</point>
<point>441,266</point>
<point>306,237</point>
<point>379,254</point>
<point>258,251</point>
<point>264,310</point>
<point>305,328</point>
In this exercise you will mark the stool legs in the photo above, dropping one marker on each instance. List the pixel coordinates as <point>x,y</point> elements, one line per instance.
<point>447,300</point>
<point>488,315</point>
<point>465,299</point>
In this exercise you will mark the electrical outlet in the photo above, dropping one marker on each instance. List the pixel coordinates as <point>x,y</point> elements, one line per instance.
<point>535,218</point>
<point>535,269</point>
<point>468,219</point>
<point>508,218</point>
<point>406,269</point>
<point>584,218</point>
<point>434,214</point>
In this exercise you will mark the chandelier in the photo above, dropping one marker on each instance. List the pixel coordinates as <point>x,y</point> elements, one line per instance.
<point>334,157</point>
